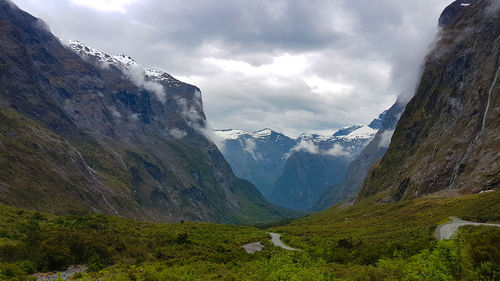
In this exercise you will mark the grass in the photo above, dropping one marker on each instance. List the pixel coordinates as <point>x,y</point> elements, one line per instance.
<point>366,241</point>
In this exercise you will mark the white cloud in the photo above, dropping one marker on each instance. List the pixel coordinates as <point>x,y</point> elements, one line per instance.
<point>310,147</point>
<point>115,112</point>
<point>338,151</point>
<point>136,75</point>
<point>250,146</point>
<point>292,65</point>
<point>385,138</point>
<point>191,111</point>
<point>177,133</point>
<point>306,146</point>
<point>106,5</point>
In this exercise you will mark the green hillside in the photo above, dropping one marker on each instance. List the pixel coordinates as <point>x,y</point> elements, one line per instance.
<point>367,241</point>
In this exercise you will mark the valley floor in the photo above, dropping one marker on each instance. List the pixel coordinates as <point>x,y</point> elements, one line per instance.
<point>365,241</point>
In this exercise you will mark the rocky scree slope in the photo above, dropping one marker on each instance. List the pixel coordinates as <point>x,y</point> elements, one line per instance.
<point>81,131</point>
<point>448,138</point>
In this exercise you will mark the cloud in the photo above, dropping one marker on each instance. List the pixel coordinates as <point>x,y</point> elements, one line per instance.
<point>106,5</point>
<point>493,7</point>
<point>297,66</point>
<point>177,133</point>
<point>136,75</point>
<point>338,151</point>
<point>309,146</point>
<point>305,146</point>
<point>385,139</point>
<point>250,146</point>
<point>114,112</point>
<point>192,114</point>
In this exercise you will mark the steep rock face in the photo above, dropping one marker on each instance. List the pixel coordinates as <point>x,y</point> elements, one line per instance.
<point>359,167</point>
<point>83,132</point>
<point>448,136</point>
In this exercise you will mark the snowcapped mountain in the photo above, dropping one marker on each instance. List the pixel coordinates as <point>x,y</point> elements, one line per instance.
<point>294,172</point>
<point>257,156</point>
<point>122,62</point>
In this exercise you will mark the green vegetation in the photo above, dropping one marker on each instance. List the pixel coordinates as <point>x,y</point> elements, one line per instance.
<point>366,241</point>
<point>55,177</point>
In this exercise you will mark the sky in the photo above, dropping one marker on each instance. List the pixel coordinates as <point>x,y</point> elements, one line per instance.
<point>296,66</point>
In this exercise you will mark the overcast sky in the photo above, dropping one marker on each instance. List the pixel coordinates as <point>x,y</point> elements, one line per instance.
<point>291,65</point>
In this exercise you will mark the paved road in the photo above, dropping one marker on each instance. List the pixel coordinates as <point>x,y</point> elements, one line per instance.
<point>445,231</point>
<point>276,240</point>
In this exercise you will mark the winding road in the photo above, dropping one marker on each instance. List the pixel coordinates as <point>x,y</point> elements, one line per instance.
<point>276,240</point>
<point>445,231</point>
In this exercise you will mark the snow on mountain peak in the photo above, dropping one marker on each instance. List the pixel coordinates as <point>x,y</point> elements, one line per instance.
<point>122,62</point>
<point>363,132</point>
<point>262,133</point>
<point>230,134</point>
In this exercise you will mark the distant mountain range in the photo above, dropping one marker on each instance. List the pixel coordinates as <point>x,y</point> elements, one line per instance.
<point>295,172</point>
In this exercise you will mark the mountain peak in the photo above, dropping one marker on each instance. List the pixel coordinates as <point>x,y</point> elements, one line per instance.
<point>262,133</point>
<point>346,130</point>
<point>230,134</point>
<point>377,122</point>
<point>122,62</point>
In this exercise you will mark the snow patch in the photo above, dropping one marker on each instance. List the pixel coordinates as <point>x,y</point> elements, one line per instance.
<point>364,132</point>
<point>230,134</point>
<point>146,78</point>
<point>262,133</point>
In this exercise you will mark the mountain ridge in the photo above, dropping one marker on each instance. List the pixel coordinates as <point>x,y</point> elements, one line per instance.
<point>267,158</point>
<point>115,141</point>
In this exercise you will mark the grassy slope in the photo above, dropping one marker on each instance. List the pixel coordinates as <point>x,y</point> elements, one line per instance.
<point>398,224</point>
<point>39,165</point>
<point>367,241</point>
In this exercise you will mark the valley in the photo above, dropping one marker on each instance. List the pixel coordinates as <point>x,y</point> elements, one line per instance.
<point>110,170</point>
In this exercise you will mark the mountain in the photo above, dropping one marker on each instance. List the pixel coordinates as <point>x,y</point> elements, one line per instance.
<point>359,167</point>
<point>294,172</point>
<point>448,136</point>
<point>258,157</point>
<point>317,163</point>
<point>85,132</point>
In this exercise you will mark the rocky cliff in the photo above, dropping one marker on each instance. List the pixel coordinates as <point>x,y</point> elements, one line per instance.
<point>82,131</point>
<point>448,137</point>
